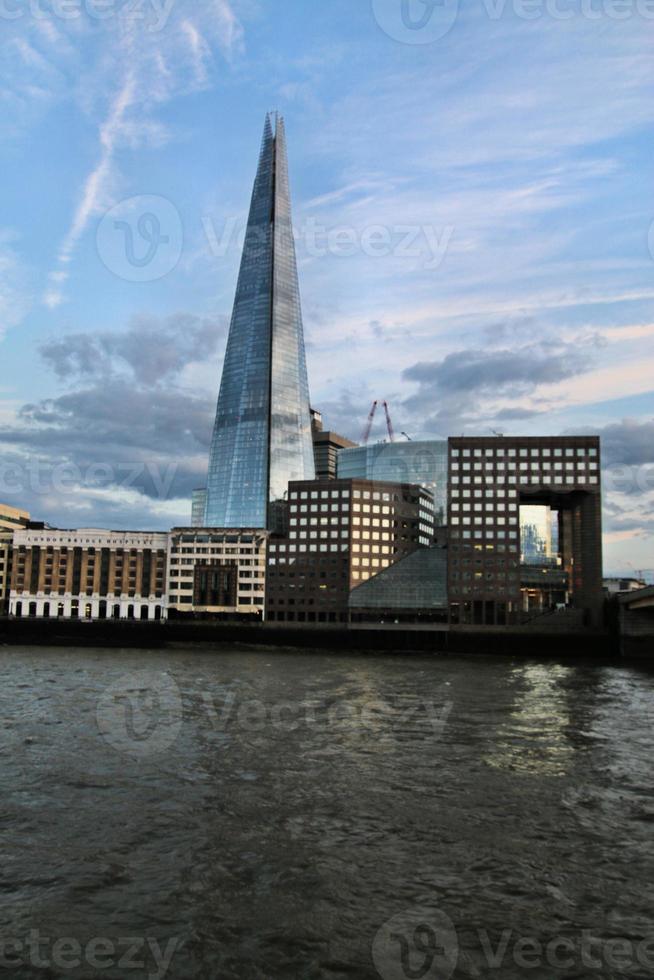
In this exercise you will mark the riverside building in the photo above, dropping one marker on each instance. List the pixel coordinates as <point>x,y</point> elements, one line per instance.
<point>89,574</point>
<point>340,534</point>
<point>10,519</point>
<point>217,572</point>
<point>490,479</point>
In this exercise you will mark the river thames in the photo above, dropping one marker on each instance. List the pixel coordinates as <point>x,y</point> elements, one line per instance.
<point>261,814</point>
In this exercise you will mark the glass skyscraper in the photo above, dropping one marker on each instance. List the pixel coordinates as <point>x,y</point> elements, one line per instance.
<point>424,463</point>
<point>262,434</point>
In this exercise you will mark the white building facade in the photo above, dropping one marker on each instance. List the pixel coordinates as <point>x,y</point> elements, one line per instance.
<point>89,574</point>
<point>217,571</point>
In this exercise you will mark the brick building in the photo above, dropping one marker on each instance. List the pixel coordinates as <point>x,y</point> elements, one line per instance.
<point>489,480</point>
<point>341,532</point>
<point>217,571</point>
<point>89,574</point>
<point>11,519</point>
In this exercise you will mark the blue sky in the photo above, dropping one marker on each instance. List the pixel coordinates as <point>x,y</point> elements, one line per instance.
<point>473,205</point>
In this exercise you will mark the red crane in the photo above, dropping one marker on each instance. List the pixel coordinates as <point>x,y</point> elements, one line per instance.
<point>371,419</point>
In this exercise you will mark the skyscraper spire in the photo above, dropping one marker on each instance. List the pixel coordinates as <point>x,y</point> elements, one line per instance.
<point>262,434</point>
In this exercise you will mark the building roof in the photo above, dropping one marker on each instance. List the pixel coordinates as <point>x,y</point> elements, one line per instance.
<point>637,596</point>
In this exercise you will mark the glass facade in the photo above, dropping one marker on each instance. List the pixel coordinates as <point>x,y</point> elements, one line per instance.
<point>262,434</point>
<point>423,463</point>
<point>198,507</point>
<point>537,536</point>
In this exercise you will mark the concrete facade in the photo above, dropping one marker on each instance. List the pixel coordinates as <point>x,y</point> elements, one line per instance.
<point>217,571</point>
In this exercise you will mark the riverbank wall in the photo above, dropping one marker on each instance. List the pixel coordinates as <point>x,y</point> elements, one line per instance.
<point>401,639</point>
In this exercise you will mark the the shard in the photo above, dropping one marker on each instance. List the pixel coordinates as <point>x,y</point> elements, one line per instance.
<point>262,434</point>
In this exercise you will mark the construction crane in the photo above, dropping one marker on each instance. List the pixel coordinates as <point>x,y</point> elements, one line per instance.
<point>371,418</point>
<point>641,573</point>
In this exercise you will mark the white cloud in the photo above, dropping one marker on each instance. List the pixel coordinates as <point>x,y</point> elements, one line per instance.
<point>15,290</point>
<point>156,67</point>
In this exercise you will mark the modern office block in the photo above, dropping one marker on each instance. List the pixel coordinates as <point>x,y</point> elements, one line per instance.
<point>490,479</point>
<point>217,571</point>
<point>341,533</point>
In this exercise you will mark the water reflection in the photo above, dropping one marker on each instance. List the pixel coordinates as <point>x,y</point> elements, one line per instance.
<point>308,799</point>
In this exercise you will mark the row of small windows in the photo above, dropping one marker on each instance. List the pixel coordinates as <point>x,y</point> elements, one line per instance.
<point>549,479</point>
<point>545,465</point>
<point>486,519</point>
<point>489,504</point>
<point>344,495</point>
<point>486,531</point>
<point>544,452</point>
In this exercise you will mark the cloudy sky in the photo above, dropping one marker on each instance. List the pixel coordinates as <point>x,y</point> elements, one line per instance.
<point>473,199</point>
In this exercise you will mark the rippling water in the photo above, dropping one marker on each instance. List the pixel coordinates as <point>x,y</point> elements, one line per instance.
<point>293,814</point>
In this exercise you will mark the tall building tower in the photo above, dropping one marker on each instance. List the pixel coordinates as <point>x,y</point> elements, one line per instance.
<point>262,434</point>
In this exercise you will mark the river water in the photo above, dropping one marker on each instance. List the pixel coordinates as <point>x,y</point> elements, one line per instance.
<point>259,814</point>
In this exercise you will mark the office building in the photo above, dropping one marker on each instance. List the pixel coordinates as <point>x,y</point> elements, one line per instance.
<point>341,533</point>
<point>423,462</point>
<point>262,433</point>
<point>326,446</point>
<point>89,574</point>
<point>217,572</point>
<point>10,519</point>
<point>490,480</point>
<point>198,507</point>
